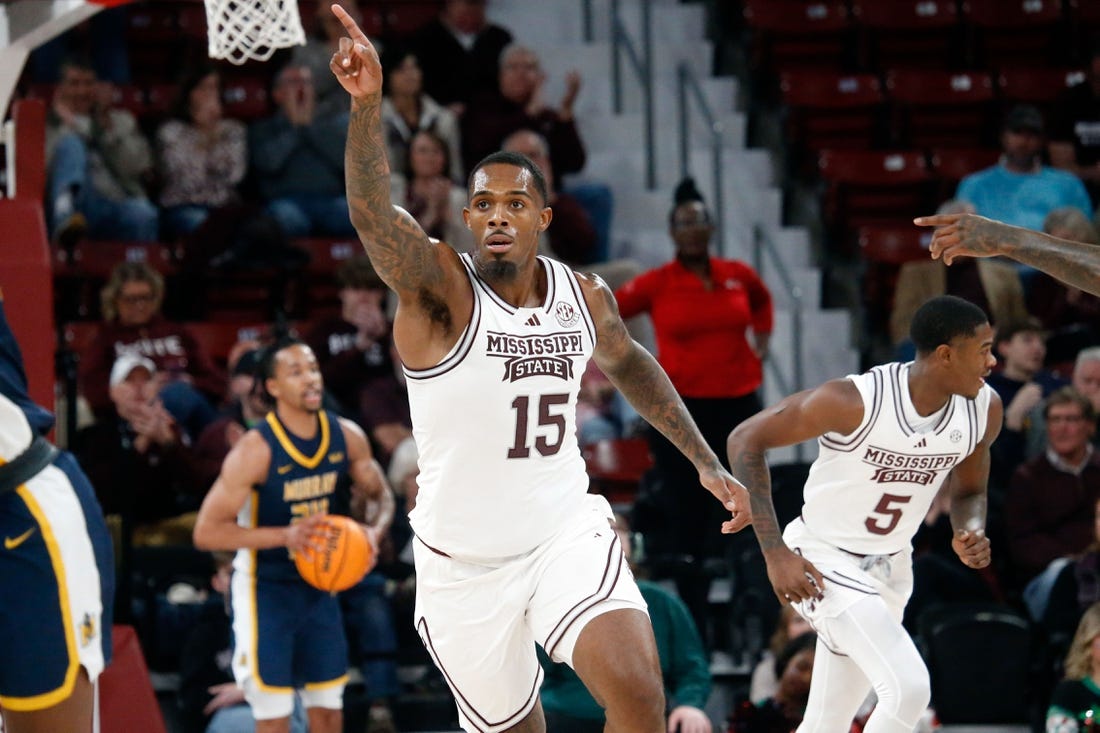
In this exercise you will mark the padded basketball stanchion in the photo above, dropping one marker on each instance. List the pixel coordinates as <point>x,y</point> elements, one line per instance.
<point>127,702</point>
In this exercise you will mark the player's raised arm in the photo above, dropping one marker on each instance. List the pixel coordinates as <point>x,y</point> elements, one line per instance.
<point>643,382</point>
<point>835,406</point>
<point>969,235</point>
<point>398,248</point>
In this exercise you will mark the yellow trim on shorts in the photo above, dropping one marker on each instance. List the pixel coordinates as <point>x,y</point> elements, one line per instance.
<point>327,684</point>
<point>49,699</point>
<point>280,435</point>
<point>255,661</point>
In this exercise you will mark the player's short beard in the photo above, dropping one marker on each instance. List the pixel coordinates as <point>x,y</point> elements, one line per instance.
<point>496,270</point>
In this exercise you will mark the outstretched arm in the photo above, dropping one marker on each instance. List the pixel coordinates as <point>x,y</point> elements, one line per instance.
<point>968,482</point>
<point>398,248</point>
<point>643,382</point>
<point>835,406</point>
<point>969,235</point>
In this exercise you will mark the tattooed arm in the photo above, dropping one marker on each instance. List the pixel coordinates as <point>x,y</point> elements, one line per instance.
<point>434,296</point>
<point>959,235</point>
<point>835,406</point>
<point>643,382</point>
<point>968,495</point>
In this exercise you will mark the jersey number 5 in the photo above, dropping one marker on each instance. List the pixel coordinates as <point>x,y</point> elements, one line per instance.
<point>884,507</point>
<point>555,421</point>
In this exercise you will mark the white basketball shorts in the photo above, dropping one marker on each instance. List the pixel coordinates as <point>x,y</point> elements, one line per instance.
<point>480,621</point>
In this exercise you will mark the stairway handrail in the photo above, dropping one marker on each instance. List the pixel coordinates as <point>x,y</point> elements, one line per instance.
<point>642,65</point>
<point>689,89</point>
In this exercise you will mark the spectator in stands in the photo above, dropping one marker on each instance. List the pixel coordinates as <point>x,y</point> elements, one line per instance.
<point>1020,190</point>
<point>139,460</point>
<point>703,309</point>
<point>1022,383</point>
<point>426,192</point>
<point>515,102</point>
<point>1075,129</point>
<point>203,155</point>
<point>1076,699</point>
<point>1086,380</point>
<point>209,697</point>
<point>569,705</point>
<point>1051,503</point>
<point>570,237</point>
<point>1086,375</point>
<point>459,52</point>
<point>246,408</point>
<point>1060,306</point>
<point>765,683</point>
<point>322,42</point>
<point>354,348</point>
<point>783,712</point>
<point>406,110</point>
<point>298,156</point>
<point>98,164</point>
<point>133,323</point>
<point>991,284</point>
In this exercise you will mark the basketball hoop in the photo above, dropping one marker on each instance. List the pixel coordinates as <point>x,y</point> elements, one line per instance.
<point>239,30</point>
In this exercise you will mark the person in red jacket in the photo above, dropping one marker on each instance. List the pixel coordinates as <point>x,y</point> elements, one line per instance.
<point>712,319</point>
<point>133,323</point>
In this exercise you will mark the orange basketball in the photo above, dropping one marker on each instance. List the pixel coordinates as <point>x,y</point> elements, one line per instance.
<point>344,560</point>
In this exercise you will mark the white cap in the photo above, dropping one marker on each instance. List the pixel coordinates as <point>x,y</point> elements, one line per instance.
<point>127,363</point>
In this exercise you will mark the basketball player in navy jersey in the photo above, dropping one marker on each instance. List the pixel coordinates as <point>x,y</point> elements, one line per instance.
<point>888,439</point>
<point>275,488</point>
<point>510,549</point>
<point>56,568</point>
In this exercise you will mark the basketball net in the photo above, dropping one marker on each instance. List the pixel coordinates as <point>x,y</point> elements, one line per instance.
<point>239,30</point>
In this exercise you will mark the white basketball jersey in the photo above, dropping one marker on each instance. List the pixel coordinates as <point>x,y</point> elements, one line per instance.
<point>495,423</point>
<point>868,492</point>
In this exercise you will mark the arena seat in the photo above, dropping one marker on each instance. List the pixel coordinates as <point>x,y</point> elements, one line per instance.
<point>833,110</point>
<point>865,187</point>
<point>1017,33</point>
<point>942,108</point>
<point>1038,86</point>
<point>615,467</point>
<point>245,98</point>
<point>967,689</point>
<point>795,34</point>
<point>905,33</point>
<point>127,702</point>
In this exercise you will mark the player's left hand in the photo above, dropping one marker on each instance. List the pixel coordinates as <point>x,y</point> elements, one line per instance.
<point>733,495</point>
<point>687,719</point>
<point>972,547</point>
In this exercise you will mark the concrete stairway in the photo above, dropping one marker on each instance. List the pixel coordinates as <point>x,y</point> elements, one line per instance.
<point>616,145</point>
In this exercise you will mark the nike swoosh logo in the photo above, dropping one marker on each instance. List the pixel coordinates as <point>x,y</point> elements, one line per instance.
<point>284,469</point>
<point>11,543</point>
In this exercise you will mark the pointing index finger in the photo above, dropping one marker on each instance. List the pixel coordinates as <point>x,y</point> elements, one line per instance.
<point>350,25</point>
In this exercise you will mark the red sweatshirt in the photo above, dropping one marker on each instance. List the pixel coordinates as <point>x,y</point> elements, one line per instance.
<point>701,334</point>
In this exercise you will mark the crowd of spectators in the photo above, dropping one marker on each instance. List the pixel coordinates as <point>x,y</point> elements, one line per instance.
<point>166,412</point>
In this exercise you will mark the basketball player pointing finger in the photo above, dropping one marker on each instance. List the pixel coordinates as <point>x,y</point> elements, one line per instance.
<point>511,549</point>
<point>888,439</point>
<point>275,487</point>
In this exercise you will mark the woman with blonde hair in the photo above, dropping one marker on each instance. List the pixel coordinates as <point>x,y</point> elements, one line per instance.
<point>133,323</point>
<point>1078,695</point>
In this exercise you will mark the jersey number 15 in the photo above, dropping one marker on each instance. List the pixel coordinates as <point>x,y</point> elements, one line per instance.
<point>554,421</point>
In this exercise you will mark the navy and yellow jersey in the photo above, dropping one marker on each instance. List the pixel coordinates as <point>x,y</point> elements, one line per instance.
<point>305,477</point>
